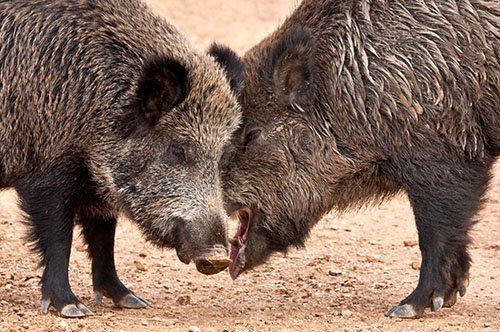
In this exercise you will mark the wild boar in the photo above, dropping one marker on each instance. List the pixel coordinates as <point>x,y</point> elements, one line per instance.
<point>351,102</point>
<point>106,109</point>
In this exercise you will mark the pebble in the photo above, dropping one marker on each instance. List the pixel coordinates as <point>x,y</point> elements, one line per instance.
<point>487,324</point>
<point>410,243</point>
<point>334,273</point>
<point>25,326</point>
<point>139,266</point>
<point>415,265</point>
<point>346,313</point>
<point>374,259</point>
<point>184,300</point>
<point>194,329</point>
<point>64,325</point>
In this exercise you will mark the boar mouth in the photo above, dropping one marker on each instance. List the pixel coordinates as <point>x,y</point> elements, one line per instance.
<point>238,243</point>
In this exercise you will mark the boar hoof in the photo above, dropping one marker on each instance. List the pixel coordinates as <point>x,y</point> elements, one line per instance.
<point>98,297</point>
<point>132,301</point>
<point>70,310</point>
<point>402,311</point>
<point>45,306</point>
<point>437,303</point>
<point>75,311</point>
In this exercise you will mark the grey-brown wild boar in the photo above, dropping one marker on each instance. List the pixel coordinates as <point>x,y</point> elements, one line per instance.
<point>350,102</point>
<point>106,109</point>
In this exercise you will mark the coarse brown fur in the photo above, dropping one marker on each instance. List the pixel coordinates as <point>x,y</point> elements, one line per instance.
<point>350,102</point>
<point>106,109</point>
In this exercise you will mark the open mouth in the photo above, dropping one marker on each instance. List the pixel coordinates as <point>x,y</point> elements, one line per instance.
<point>238,243</point>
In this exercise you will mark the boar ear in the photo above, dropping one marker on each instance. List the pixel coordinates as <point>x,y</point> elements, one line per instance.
<point>292,67</point>
<point>231,63</point>
<point>162,86</point>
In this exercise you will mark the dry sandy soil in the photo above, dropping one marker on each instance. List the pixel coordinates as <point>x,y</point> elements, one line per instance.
<point>355,266</point>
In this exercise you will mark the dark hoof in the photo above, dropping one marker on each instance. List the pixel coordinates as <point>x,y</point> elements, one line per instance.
<point>462,290</point>
<point>98,297</point>
<point>45,306</point>
<point>69,310</point>
<point>402,311</point>
<point>437,303</point>
<point>132,301</point>
<point>75,311</point>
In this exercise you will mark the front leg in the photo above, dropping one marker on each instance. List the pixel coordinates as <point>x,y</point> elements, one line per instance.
<point>444,201</point>
<point>47,202</point>
<point>99,234</point>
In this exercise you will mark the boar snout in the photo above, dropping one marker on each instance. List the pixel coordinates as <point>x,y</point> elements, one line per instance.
<point>212,264</point>
<point>204,243</point>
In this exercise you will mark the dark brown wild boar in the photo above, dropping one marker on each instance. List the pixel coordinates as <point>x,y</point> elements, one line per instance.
<point>106,109</point>
<point>351,102</point>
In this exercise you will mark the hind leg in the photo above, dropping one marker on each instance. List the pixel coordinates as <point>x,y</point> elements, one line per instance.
<point>51,216</point>
<point>444,200</point>
<point>99,234</point>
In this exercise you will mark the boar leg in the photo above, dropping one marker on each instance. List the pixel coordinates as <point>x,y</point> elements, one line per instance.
<point>99,233</point>
<point>50,215</point>
<point>444,202</point>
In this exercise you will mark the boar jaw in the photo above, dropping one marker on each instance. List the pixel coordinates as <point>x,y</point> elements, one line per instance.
<point>238,245</point>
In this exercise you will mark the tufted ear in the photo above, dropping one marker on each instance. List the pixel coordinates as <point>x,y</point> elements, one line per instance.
<point>162,86</point>
<point>231,63</point>
<point>292,67</point>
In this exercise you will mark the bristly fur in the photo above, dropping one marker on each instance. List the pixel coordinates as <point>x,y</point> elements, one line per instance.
<point>106,109</point>
<point>231,63</point>
<point>406,98</point>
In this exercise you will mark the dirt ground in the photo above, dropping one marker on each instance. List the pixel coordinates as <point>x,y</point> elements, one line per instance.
<point>354,268</point>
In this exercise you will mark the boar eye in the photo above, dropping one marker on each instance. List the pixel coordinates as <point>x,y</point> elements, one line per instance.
<point>176,153</point>
<point>251,136</point>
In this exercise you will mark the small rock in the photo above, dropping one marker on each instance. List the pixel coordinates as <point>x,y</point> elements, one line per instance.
<point>346,313</point>
<point>374,259</point>
<point>64,325</point>
<point>139,266</point>
<point>487,324</point>
<point>184,300</point>
<point>334,273</point>
<point>194,329</point>
<point>410,243</point>
<point>25,326</point>
<point>81,247</point>
<point>144,323</point>
<point>415,265</point>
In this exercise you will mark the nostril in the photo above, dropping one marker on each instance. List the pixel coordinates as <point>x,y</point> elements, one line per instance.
<point>205,267</point>
<point>212,265</point>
